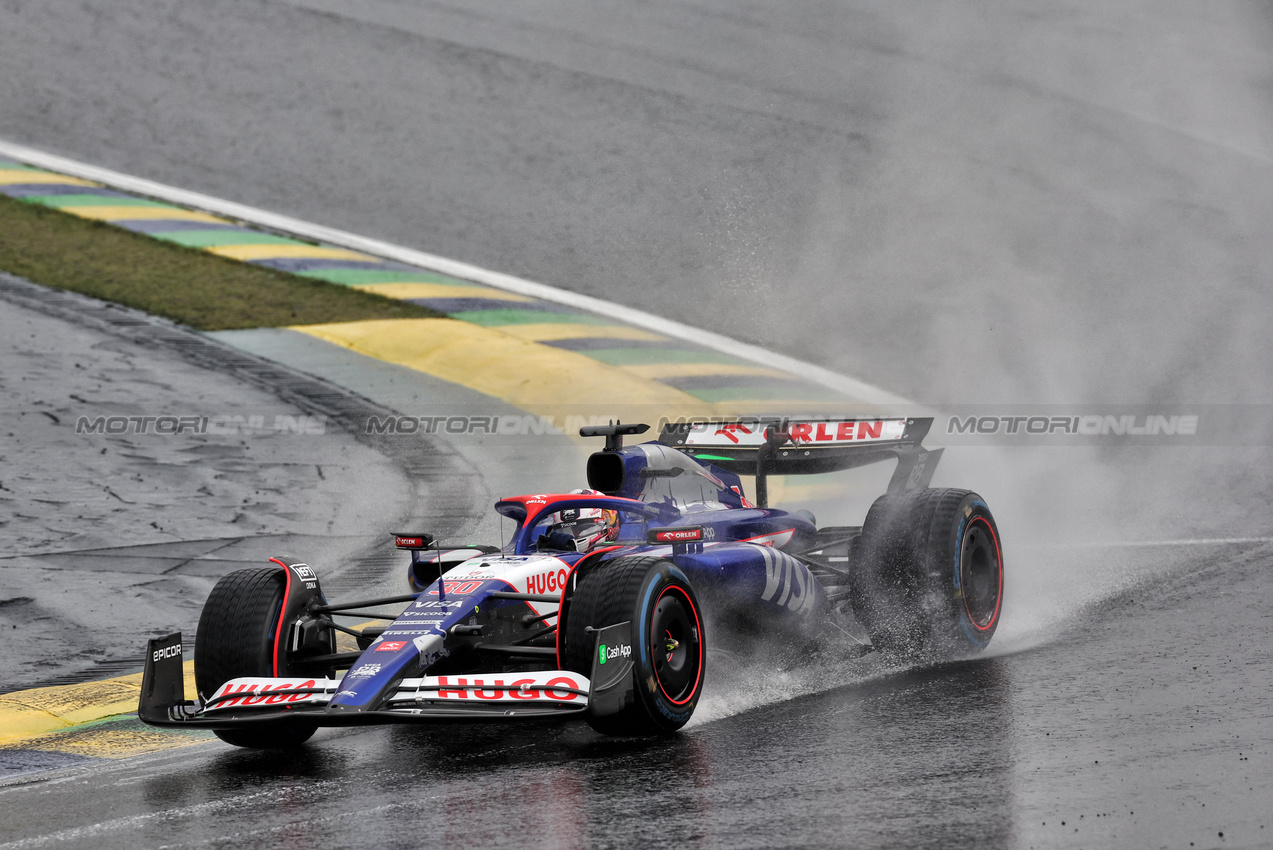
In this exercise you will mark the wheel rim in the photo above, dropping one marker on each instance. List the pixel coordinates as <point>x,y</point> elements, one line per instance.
<point>981,573</point>
<point>676,645</point>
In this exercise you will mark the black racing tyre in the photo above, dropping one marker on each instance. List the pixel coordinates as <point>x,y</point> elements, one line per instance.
<point>236,638</point>
<point>669,645</point>
<point>928,576</point>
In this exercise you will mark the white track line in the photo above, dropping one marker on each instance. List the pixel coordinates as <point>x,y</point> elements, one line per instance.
<point>852,387</point>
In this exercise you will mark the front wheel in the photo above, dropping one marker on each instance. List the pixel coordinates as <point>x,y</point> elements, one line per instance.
<point>236,636</point>
<point>929,579</point>
<point>669,646</point>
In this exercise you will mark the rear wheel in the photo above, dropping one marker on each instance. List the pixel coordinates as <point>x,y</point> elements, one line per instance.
<point>236,638</point>
<point>668,640</point>
<point>929,576</point>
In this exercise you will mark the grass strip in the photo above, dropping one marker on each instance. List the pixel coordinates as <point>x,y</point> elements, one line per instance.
<point>193,287</point>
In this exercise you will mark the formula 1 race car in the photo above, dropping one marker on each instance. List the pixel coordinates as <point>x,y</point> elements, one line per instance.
<point>600,605</point>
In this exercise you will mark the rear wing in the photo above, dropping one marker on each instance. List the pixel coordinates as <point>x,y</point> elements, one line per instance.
<point>765,446</point>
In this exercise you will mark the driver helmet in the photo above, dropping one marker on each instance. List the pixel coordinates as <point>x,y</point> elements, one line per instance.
<point>590,527</point>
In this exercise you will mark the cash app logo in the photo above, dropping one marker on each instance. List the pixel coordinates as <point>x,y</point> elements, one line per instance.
<point>602,651</point>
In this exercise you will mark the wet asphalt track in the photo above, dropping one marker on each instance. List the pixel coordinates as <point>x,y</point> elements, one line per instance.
<point>1068,206</point>
<point>1140,722</point>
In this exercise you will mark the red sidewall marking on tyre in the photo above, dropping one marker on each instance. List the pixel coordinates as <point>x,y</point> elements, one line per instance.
<point>561,656</point>
<point>998,569</point>
<point>698,676</point>
<point>278,632</point>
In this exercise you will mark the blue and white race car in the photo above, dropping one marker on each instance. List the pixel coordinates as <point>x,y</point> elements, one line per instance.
<point>600,606</point>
